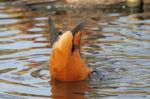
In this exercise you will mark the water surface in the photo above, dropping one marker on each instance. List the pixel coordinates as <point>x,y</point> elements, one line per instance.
<point>113,42</point>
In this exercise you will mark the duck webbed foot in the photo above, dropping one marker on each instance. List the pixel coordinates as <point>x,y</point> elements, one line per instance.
<point>96,75</point>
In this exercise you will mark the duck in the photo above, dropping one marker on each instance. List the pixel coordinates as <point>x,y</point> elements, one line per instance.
<point>66,63</point>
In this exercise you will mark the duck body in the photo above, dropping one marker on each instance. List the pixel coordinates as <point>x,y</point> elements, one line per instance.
<point>66,63</point>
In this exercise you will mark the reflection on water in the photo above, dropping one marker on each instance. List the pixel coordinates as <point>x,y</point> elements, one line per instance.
<point>73,90</point>
<point>119,45</point>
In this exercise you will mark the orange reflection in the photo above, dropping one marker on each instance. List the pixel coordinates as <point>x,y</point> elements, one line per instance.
<point>24,18</point>
<point>69,90</point>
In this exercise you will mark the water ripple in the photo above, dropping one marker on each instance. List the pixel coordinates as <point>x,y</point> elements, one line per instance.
<point>118,45</point>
